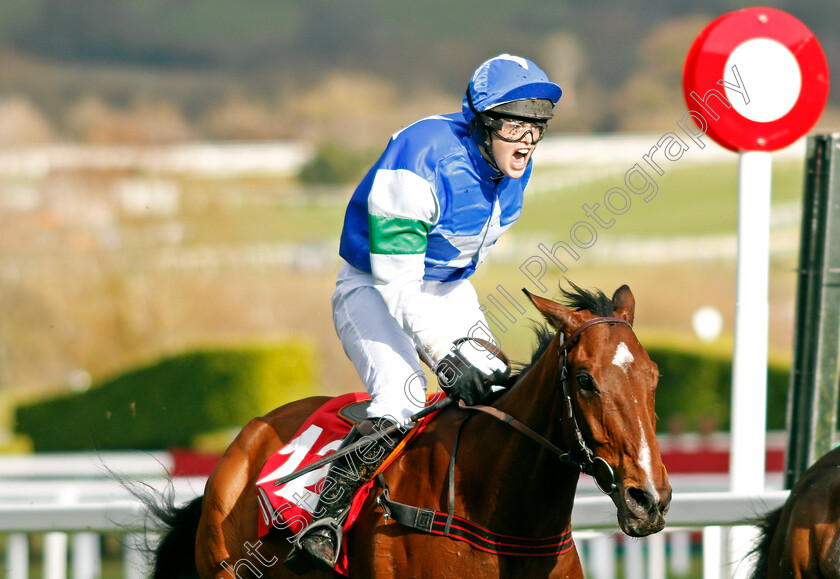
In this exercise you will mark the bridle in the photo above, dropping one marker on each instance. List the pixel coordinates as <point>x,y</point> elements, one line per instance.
<point>580,456</point>
<point>589,462</point>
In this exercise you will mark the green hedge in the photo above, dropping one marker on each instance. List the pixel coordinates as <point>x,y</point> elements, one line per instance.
<point>695,385</point>
<point>167,403</point>
<point>335,163</point>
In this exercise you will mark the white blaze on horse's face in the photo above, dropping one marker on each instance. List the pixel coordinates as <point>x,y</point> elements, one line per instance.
<point>644,461</point>
<point>622,357</point>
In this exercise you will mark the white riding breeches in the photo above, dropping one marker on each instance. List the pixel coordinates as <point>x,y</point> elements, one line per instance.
<point>384,355</point>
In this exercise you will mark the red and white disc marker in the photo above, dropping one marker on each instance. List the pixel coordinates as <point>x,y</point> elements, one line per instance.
<point>771,69</point>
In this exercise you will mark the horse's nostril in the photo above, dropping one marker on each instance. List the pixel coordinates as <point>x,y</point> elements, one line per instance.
<point>642,499</point>
<point>664,505</point>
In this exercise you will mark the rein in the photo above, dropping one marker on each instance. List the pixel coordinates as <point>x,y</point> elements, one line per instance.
<point>581,457</point>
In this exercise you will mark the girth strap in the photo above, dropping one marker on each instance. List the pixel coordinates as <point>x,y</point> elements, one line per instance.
<point>454,527</point>
<point>481,538</point>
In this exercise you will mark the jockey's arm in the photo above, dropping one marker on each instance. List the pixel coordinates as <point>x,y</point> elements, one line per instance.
<point>402,208</point>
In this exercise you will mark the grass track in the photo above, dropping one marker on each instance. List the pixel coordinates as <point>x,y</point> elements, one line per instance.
<point>691,200</point>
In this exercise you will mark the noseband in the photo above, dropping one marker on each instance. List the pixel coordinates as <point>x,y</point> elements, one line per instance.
<point>580,455</point>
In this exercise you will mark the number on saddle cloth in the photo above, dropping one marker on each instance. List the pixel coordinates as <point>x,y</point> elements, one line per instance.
<point>289,507</point>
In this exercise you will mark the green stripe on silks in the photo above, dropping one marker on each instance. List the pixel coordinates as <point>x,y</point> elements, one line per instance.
<point>397,235</point>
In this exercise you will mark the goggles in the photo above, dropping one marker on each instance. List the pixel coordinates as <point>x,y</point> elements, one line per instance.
<point>513,130</point>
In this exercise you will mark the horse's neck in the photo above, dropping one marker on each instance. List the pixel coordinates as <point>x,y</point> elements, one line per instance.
<point>523,488</point>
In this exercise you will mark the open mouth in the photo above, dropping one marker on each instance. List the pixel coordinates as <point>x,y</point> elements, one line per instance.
<point>520,157</point>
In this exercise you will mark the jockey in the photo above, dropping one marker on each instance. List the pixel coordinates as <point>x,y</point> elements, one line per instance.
<point>422,220</point>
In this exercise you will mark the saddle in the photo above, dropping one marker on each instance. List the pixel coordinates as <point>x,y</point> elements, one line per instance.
<point>288,508</point>
<point>356,412</point>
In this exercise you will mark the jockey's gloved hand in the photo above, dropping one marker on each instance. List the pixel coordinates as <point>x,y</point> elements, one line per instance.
<point>470,369</point>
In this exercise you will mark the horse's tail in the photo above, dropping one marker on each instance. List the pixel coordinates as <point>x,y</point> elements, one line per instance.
<point>175,554</point>
<point>766,529</point>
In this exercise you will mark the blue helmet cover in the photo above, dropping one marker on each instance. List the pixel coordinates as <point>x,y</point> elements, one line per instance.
<point>507,78</point>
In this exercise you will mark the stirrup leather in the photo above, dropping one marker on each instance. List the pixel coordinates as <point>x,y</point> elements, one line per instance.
<point>310,548</point>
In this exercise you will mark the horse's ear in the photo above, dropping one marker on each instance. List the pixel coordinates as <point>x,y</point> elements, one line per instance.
<point>558,315</point>
<point>624,304</point>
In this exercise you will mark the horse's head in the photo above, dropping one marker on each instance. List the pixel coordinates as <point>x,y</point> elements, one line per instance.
<point>611,383</point>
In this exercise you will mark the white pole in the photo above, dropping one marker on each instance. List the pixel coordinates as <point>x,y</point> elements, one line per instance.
<point>634,559</point>
<point>749,366</point>
<point>712,553</point>
<point>55,556</point>
<point>656,556</point>
<point>680,560</point>
<point>602,559</point>
<point>135,564</point>
<point>86,556</point>
<point>17,556</point>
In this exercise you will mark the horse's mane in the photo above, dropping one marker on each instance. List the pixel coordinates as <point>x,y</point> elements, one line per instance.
<point>544,336</point>
<point>577,299</point>
<point>580,299</point>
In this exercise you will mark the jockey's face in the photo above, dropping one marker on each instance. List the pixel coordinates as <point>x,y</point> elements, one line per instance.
<point>512,158</point>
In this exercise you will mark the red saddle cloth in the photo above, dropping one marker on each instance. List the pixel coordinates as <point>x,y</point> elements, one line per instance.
<point>289,507</point>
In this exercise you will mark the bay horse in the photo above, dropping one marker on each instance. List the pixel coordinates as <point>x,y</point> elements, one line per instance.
<point>589,389</point>
<point>802,537</point>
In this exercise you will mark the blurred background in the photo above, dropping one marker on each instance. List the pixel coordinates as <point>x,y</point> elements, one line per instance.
<point>173,177</point>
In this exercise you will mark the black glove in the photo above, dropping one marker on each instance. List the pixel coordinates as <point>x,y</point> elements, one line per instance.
<point>461,380</point>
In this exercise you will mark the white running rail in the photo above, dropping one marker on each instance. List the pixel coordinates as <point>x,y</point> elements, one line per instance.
<point>593,519</point>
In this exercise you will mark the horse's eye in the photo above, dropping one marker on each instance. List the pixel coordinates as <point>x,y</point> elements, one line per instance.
<point>586,382</point>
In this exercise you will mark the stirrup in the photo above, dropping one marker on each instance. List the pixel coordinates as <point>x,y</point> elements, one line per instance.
<point>300,560</point>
